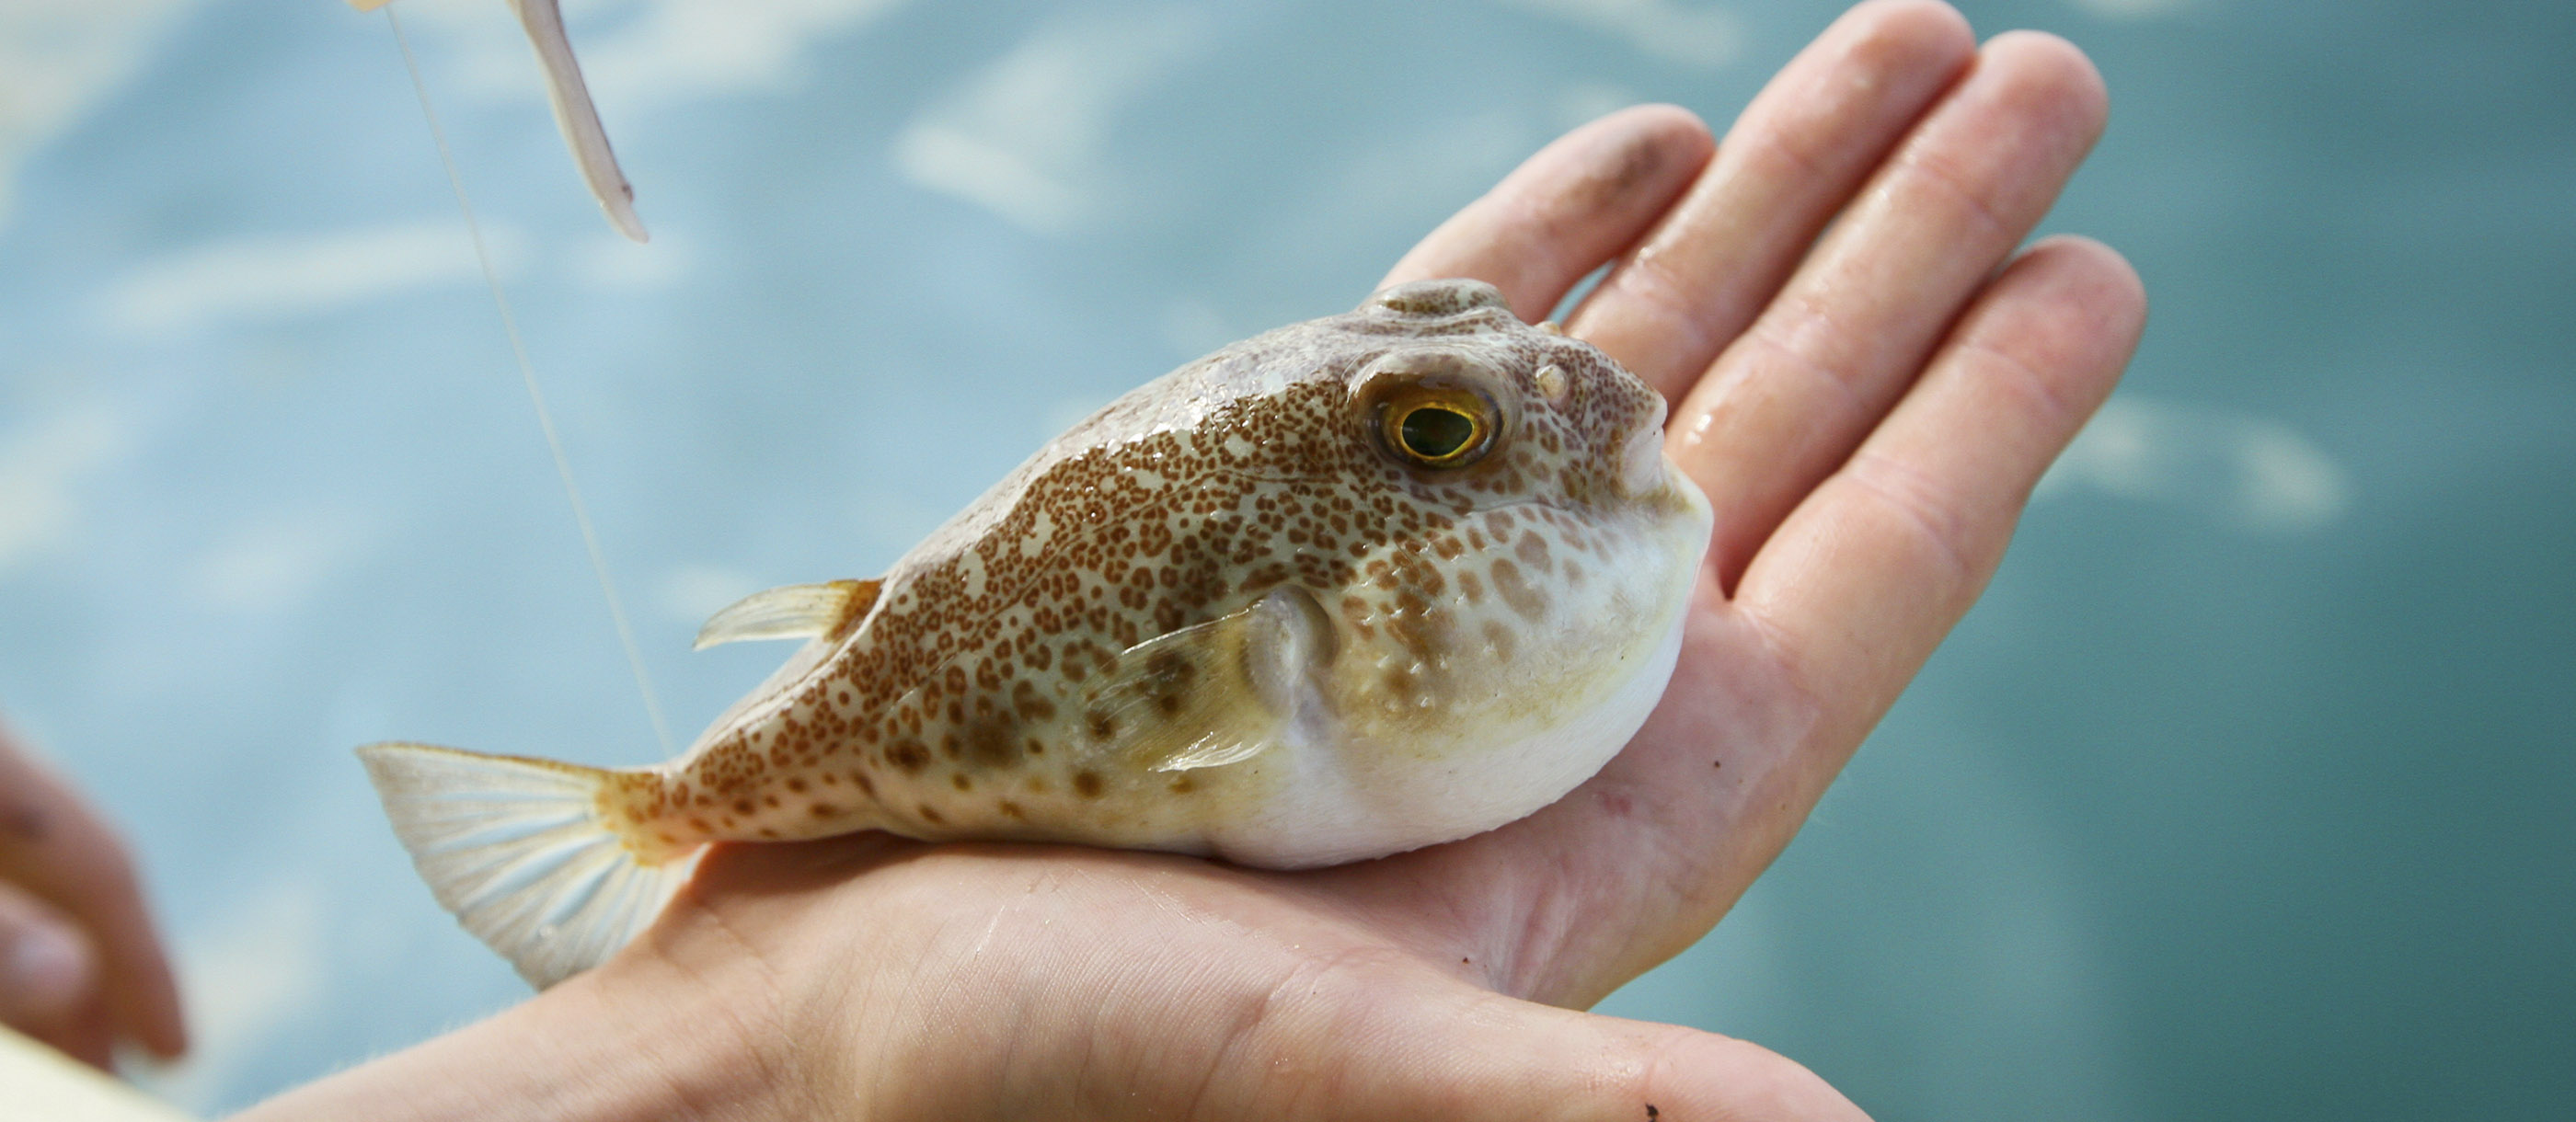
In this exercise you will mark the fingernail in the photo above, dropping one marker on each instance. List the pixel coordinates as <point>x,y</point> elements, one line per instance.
<point>46,968</point>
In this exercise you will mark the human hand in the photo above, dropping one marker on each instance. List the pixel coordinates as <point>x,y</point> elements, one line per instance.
<point>80,966</point>
<point>1867,411</point>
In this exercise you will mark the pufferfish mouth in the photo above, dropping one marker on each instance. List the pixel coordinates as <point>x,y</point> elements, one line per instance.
<point>1641,458</point>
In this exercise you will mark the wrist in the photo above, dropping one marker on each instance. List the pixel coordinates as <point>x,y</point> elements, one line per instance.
<point>638,1038</point>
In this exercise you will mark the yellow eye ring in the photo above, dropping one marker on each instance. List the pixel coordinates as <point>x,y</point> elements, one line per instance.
<point>1437,428</point>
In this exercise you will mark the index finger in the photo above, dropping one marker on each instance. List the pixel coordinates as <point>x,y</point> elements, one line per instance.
<point>58,849</point>
<point>1579,202</point>
<point>1792,160</point>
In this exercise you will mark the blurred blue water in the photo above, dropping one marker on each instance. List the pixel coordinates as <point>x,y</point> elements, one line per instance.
<point>2245,793</point>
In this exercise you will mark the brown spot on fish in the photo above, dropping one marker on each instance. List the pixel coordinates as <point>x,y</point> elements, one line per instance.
<point>1516,592</point>
<point>1087,784</point>
<point>1403,683</point>
<point>993,743</point>
<point>825,810</point>
<point>1170,670</point>
<point>1028,704</point>
<point>1532,550</point>
<point>1182,784</point>
<point>930,814</point>
<point>910,755</point>
<point>1012,810</point>
<point>1423,634</point>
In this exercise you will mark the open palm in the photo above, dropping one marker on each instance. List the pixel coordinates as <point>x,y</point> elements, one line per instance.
<point>1867,407</point>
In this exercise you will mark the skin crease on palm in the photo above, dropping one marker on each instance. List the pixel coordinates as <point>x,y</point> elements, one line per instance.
<point>1867,410</point>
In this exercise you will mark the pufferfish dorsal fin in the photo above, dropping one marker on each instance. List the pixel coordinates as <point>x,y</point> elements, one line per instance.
<point>1215,693</point>
<point>795,611</point>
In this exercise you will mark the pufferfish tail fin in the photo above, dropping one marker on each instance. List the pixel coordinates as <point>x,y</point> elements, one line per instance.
<point>517,849</point>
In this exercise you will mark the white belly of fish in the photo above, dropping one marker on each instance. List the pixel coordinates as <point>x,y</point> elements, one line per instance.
<point>1346,801</point>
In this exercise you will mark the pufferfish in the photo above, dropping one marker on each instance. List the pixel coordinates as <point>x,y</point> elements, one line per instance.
<point>1345,589</point>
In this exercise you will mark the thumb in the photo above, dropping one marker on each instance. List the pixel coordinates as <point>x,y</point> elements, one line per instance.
<point>48,971</point>
<point>1452,1051</point>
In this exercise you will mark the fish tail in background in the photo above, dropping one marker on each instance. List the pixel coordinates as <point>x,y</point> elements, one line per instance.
<point>577,116</point>
<point>522,851</point>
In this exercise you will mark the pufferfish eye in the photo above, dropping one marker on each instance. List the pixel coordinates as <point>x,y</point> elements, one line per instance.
<point>1438,426</point>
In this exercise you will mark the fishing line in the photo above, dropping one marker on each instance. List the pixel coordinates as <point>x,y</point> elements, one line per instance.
<point>536,397</point>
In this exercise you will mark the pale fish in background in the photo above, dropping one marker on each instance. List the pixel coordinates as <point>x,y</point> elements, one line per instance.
<point>1352,587</point>
<point>574,113</point>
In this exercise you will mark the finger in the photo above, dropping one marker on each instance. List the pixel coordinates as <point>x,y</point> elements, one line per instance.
<point>49,980</point>
<point>1577,203</point>
<point>1795,156</point>
<point>55,847</point>
<point>1391,1047</point>
<point>1791,398</point>
<point>89,1037</point>
<point>1874,568</point>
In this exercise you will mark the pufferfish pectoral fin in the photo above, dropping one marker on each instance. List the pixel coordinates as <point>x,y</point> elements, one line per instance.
<point>796,611</point>
<point>1216,693</point>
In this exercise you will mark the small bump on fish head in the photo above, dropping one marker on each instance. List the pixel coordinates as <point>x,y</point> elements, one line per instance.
<point>1447,296</point>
